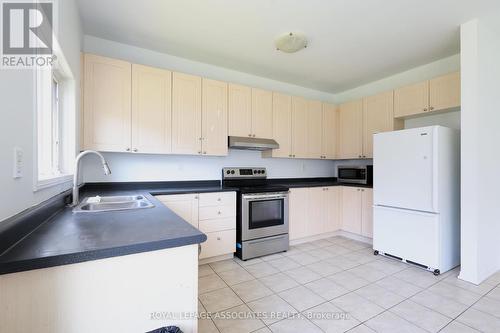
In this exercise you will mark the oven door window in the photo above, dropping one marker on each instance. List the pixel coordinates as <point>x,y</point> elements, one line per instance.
<point>266,213</point>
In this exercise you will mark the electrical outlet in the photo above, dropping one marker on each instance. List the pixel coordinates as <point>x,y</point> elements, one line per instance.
<point>18,162</point>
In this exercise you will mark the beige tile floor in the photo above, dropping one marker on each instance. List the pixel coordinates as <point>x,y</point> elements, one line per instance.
<point>338,285</point>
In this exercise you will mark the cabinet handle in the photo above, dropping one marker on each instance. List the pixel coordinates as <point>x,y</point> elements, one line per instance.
<point>431,108</point>
<point>360,156</point>
<point>128,149</point>
<point>219,212</point>
<point>290,155</point>
<point>204,152</point>
<point>425,109</point>
<point>253,135</point>
<point>196,197</point>
<point>218,199</point>
<point>250,135</point>
<point>218,238</point>
<point>199,249</point>
<point>293,155</point>
<point>199,152</point>
<point>135,150</point>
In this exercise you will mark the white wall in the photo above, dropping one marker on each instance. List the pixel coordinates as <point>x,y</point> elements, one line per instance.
<point>480,211</point>
<point>140,167</point>
<point>17,107</point>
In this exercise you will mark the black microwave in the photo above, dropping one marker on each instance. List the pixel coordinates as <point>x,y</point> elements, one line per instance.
<point>355,174</point>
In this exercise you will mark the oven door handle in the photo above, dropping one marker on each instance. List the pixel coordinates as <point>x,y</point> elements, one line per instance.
<point>258,197</point>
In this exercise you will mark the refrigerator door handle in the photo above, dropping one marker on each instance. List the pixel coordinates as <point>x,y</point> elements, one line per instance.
<point>396,209</point>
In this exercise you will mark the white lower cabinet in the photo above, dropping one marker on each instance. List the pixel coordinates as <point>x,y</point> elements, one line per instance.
<point>317,210</point>
<point>313,211</point>
<point>213,213</point>
<point>357,211</point>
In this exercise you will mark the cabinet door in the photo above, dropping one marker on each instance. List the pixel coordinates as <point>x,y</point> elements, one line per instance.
<point>282,124</point>
<point>444,92</point>
<point>107,104</point>
<point>151,110</point>
<point>314,129</point>
<point>214,118</point>
<point>351,130</point>
<point>262,113</point>
<point>184,205</point>
<point>299,127</point>
<point>332,204</point>
<point>378,116</point>
<point>411,100</point>
<point>316,210</point>
<point>351,209</point>
<point>367,212</point>
<point>297,214</point>
<point>330,123</point>
<point>240,110</point>
<point>186,114</point>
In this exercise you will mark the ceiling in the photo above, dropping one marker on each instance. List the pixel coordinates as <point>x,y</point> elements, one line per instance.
<point>351,42</point>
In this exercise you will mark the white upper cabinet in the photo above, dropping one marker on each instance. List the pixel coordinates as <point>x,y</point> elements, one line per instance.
<point>444,92</point>
<point>240,110</point>
<point>351,130</point>
<point>151,110</point>
<point>378,116</point>
<point>262,113</point>
<point>314,129</point>
<point>186,114</point>
<point>107,104</point>
<point>214,118</point>
<point>440,93</point>
<point>411,100</point>
<point>250,112</point>
<point>282,124</point>
<point>330,131</point>
<point>299,127</point>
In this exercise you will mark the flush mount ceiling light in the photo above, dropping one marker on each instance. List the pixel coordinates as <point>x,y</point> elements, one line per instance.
<point>291,42</point>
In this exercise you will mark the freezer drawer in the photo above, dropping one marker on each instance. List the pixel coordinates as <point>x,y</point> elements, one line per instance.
<point>410,235</point>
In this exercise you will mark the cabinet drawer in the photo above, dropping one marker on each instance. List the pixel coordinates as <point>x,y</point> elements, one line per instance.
<point>218,243</point>
<point>217,224</point>
<point>217,199</point>
<point>217,212</point>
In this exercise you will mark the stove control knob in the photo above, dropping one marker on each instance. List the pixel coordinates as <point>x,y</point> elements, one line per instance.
<point>255,171</point>
<point>232,172</point>
<point>228,172</point>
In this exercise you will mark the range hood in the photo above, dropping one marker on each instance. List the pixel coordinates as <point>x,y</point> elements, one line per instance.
<point>241,142</point>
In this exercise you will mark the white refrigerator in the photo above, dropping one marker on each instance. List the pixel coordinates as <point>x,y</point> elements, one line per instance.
<point>416,196</point>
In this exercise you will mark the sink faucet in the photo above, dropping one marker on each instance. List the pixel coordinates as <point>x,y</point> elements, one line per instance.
<point>105,166</point>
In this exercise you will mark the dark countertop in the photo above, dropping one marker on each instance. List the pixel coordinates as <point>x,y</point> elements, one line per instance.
<point>67,237</point>
<point>64,237</point>
<point>312,182</point>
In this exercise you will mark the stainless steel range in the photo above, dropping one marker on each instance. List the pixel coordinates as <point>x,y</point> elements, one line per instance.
<point>262,212</point>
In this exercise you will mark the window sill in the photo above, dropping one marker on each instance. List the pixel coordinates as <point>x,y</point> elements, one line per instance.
<point>49,182</point>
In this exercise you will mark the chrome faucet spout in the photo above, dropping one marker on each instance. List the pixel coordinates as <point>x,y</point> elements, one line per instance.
<point>105,166</point>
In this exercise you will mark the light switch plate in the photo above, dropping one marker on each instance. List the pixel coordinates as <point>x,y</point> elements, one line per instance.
<point>18,162</point>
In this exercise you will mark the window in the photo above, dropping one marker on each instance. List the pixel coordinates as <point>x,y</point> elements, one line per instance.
<point>55,123</point>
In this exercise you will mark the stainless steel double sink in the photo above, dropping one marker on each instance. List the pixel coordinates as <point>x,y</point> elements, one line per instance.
<point>111,203</point>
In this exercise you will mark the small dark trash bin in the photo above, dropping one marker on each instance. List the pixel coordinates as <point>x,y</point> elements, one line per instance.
<point>168,329</point>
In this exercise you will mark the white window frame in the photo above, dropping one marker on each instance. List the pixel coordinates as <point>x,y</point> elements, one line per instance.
<point>67,109</point>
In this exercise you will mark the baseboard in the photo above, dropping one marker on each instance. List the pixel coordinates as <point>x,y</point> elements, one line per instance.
<point>214,259</point>
<point>332,234</point>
